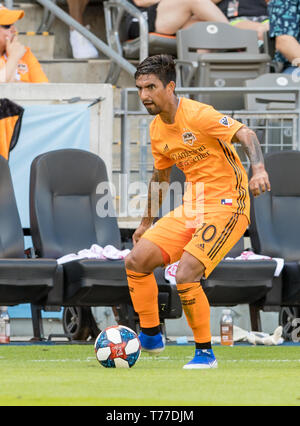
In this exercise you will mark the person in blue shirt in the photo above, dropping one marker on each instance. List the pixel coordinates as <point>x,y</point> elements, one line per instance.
<point>285,28</point>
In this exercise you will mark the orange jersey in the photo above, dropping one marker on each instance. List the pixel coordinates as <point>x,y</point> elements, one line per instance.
<point>28,70</point>
<point>199,142</point>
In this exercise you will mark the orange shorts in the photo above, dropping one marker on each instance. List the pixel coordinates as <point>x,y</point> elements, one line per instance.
<point>209,241</point>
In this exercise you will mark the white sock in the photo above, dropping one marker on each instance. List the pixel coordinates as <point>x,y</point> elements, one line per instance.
<point>82,48</point>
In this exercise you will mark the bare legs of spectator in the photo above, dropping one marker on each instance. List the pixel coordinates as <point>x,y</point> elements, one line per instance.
<point>77,8</point>
<point>81,47</point>
<point>260,27</point>
<point>173,15</point>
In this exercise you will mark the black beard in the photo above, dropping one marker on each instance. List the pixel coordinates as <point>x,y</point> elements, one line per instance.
<point>154,111</point>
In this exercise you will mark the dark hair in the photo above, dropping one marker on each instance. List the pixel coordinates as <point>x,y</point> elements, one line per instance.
<point>163,66</point>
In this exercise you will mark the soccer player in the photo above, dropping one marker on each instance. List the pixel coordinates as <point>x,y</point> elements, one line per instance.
<point>198,139</point>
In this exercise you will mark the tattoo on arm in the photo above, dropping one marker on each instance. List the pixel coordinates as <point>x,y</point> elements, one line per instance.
<point>253,150</point>
<point>251,145</point>
<point>158,187</point>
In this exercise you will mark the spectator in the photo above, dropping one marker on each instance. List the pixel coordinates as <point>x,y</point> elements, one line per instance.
<point>169,16</point>
<point>247,15</point>
<point>285,28</point>
<point>17,62</point>
<point>81,47</point>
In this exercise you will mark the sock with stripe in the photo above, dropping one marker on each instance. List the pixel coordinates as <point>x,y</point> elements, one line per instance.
<point>144,295</point>
<point>197,310</point>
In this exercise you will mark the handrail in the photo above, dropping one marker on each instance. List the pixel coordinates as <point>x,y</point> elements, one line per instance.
<point>98,43</point>
<point>114,11</point>
<point>124,5</point>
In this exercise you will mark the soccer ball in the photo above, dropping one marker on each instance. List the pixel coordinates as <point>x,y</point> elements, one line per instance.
<point>117,347</point>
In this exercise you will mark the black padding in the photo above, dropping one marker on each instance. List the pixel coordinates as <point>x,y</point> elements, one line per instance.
<point>236,282</point>
<point>26,280</point>
<point>275,225</point>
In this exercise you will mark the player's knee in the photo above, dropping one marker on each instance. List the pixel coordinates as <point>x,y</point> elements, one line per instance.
<point>135,263</point>
<point>186,274</point>
<point>131,262</point>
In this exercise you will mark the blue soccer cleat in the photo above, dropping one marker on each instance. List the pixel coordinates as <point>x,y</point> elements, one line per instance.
<point>153,344</point>
<point>204,358</point>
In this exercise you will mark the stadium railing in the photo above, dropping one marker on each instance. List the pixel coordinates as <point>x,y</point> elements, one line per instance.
<point>139,48</point>
<point>51,10</point>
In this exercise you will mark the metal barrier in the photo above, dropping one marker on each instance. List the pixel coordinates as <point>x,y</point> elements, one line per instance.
<point>52,9</point>
<point>277,130</point>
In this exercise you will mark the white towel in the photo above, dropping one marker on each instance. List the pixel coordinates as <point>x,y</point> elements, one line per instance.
<point>255,337</point>
<point>170,271</point>
<point>95,252</point>
<point>250,255</point>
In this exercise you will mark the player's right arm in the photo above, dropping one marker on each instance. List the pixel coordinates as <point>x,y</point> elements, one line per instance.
<point>157,189</point>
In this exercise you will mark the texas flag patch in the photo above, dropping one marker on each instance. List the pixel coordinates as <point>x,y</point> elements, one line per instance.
<point>226,202</point>
<point>226,121</point>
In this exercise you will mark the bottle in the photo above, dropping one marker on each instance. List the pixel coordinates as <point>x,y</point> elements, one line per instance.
<point>226,328</point>
<point>4,326</point>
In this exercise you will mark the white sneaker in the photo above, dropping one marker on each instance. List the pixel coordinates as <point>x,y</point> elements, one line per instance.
<point>82,48</point>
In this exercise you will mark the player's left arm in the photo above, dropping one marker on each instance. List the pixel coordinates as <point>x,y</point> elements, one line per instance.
<point>260,180</point>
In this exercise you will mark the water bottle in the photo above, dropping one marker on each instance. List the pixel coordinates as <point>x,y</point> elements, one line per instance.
<point>226,328</point>
<point>4,326</point>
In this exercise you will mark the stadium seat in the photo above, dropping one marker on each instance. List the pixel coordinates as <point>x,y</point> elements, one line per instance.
<point>139,48</point>
<point>271,101</point>
<point>278,128</point>
<point>275,229</point>
<point>64,198</point>
<point>233,58</point>
<point>234,282</point>
<point>22,280</point>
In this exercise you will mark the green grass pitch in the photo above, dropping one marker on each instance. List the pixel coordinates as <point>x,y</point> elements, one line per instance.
<point>70,375</point>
